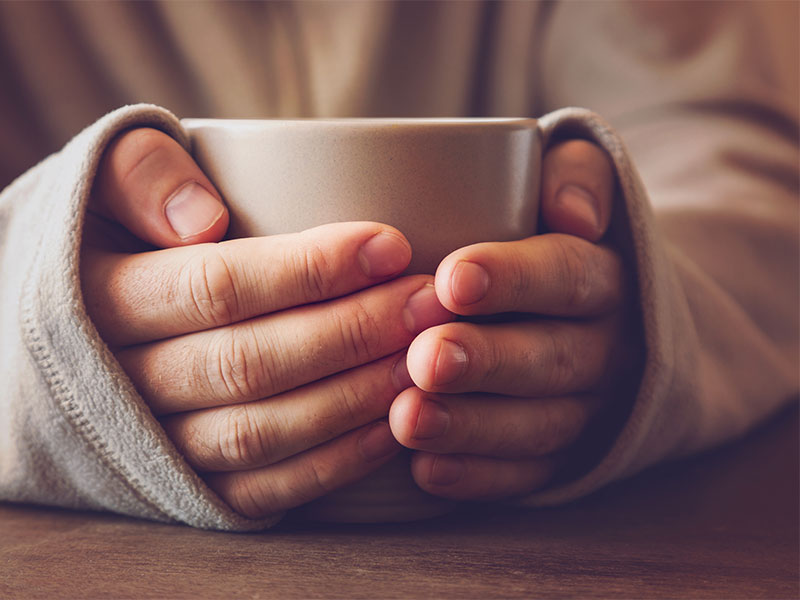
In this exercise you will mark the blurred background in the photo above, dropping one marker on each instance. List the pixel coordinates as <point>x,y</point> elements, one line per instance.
<point>65,64</point>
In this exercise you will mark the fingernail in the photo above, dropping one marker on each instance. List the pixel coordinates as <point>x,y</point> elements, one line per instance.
<point>424,310</point>
<point>469,282</point>
<point>446,470</point>
<point>451,363</point>
<point>378,442</point>
<point>432,421</point>
<point>383,254</point>
<point>581,202</point>
<point>400,377</point>
<point>192,210</point>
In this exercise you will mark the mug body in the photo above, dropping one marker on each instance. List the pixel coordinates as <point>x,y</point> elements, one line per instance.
<point>444,183</point>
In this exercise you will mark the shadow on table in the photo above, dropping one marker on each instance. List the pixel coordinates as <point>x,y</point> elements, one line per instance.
<point>752,485</point>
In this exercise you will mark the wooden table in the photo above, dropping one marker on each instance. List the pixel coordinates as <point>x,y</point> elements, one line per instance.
<point>723,525</point>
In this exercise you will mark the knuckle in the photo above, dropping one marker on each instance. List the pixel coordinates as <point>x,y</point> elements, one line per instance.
<point>313,273</point>
<point>496,367</point>
<point>349,406</point>
<point>242,440</point>
<point>477,433</point>
<point>577,275</point>
<point>359,334</point>
<point>318,478</point>
<point>559,358</point>
<point>236,368</point>
<point>211,283</point>
<point>310,479</point>
<point>519,282</point>
<point>252,497</point>
<point>492,436</point>
<point>135,147</point>
<point>493,361</point>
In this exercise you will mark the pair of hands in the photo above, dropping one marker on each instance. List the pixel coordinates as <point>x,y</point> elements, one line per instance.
<point>272,363</point>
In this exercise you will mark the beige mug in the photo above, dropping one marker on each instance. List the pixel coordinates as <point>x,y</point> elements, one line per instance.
<point>444,183</point>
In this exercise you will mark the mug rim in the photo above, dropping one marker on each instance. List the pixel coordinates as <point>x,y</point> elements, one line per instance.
<point>364,123</point>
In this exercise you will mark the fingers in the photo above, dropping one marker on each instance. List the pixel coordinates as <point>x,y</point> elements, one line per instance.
<point>255,434</point>
<point>577,189</point>
<point>261,492</point>
<point>271,354</point>
<point>524,358</point>
<point>488,425</point>
<point>486,446</point>
<point>466,477</point>
<point>134,298</point>
<point>149,184</point>
<point>552,274</point>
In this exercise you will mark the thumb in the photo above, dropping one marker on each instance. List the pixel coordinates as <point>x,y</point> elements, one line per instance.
<point>577,189</point>
<point>151,186</point>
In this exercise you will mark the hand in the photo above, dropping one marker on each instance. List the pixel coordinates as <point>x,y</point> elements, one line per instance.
<point>500,404</point>
<point>269,361</point>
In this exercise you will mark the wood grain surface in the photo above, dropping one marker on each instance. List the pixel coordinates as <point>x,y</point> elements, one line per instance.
<point>722,525</point>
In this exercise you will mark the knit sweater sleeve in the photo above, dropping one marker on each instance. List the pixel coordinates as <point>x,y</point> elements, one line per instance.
<point>73,430</point>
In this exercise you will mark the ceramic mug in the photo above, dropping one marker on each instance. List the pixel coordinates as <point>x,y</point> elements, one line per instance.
<point>444,183</point>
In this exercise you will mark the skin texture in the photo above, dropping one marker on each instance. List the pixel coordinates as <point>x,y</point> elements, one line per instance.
<point>273,363</point>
